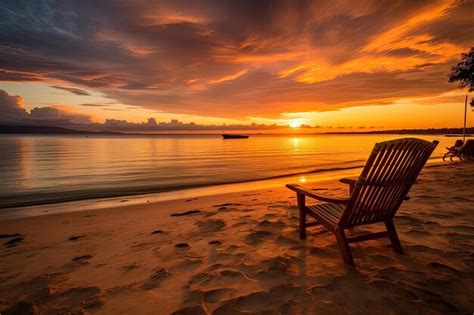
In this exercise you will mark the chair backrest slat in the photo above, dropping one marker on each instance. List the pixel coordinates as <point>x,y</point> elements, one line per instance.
<point>468,148</point>
<point>388,175</point>
<point>459,143</point>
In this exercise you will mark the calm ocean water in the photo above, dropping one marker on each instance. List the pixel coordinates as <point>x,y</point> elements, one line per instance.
<point>41,169</point>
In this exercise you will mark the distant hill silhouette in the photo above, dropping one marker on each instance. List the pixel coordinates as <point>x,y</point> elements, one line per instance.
<point>52,130</point>
<point>5,129</point>
<point>429,131</point>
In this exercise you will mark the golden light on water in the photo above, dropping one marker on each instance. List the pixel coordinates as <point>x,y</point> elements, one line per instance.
<point>295,142</point>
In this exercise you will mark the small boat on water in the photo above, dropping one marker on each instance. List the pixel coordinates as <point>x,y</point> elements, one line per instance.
<point>233,136</point>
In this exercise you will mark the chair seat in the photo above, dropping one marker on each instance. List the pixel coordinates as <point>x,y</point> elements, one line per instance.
<point>328,213</point>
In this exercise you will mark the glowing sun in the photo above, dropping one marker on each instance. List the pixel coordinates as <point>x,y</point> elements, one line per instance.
<point>295,124</point>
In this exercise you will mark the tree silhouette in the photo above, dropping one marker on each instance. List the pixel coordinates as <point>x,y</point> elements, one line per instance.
<point>463,72</point>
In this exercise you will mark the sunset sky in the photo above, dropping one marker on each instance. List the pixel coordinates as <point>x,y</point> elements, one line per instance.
<point>335,64</point>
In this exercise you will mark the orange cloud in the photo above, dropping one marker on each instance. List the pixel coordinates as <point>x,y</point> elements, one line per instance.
<point>389,39</point>
<point>229,77</point>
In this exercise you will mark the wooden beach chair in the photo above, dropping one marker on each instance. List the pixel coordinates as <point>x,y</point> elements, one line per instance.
<point>465,152</point>
<point>454,150</point>
<point>375,195</point>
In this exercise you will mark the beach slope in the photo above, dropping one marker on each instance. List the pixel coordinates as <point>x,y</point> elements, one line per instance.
<point>240,253</point>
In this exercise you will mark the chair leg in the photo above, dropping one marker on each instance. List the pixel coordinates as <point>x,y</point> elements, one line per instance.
<point>344,247</point>
<point>302,223</point>
<point>392,232</point>
<point>302,215</point>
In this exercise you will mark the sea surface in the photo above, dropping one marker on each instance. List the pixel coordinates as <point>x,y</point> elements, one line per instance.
<point>40,169</point>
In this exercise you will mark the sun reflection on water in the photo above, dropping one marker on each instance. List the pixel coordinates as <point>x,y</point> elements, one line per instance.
<point>295,142</point>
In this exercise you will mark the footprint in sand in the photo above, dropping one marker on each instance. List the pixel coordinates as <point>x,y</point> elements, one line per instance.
<point>211,225</point>
<point>286,240</point>
<point>182,245</point>
<point>232,248</point>
<point>76,300</point>
<point>227,205</point>
<point>190,262</point>
<point>215,242</point>
<point>187,310</point>
<point>157,232</point>
<point>130,267</point>
<point>271,301</point>
<point>231,273</point>
<point>75,238</point>
<point>179,214</point>
<point>40,292</point>
<point>271,224</point>
<point>9,235</point>
<point>154,280</point>
<point>216,295</point>
<point>443,267</point>
<point>269,216</point>
<point>199,278</point>
<point>13,242</point>
<point>22,307</point>
<point>322,253</point>
<point>82,258</point>
<point>257,237</point>
<point>279,266</point>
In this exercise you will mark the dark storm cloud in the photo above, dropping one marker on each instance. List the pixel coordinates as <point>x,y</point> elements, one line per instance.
<point>71,89</point>
<point>236,58</point>
<point>10,107</point>
<point>13,113</point>
<point>18,76</point>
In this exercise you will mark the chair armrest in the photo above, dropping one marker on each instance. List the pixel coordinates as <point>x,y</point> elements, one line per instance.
<point>310,193</point>
<point>349,180</point>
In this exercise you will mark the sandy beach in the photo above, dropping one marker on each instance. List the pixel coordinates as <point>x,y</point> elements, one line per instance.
<point>164,157</point>
<point>240,253</point>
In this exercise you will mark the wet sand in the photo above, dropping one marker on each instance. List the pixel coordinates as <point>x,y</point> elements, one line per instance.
<point>240,253</point>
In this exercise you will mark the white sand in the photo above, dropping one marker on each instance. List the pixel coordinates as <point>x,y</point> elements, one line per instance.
<point>243,257</point>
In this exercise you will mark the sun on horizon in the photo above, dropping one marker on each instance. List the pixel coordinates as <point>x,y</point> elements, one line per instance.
<point>295,124</point>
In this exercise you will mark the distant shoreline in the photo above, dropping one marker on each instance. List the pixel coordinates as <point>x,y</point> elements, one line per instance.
<point>53,130</point>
